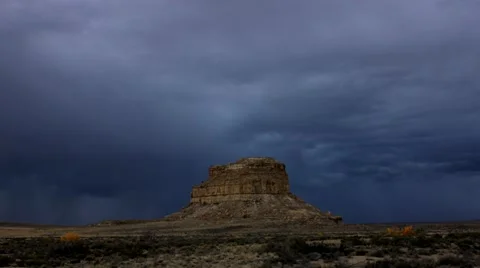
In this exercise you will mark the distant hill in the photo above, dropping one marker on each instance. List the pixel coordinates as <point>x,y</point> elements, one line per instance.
<point>27,225</point>
<point>423,222</point>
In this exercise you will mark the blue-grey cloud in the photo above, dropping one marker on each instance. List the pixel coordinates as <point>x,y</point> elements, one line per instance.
<point>113,109</point>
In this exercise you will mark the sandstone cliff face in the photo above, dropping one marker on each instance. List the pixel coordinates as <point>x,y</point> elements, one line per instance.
<point>255,188</point>
<point>242,180</point>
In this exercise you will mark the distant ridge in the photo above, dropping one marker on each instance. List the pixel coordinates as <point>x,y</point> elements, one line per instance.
<point>28,225</point>
<point>421,222</point>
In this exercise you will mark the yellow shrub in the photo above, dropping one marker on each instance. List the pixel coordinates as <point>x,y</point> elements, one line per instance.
<point>408,230</point>
<point>405,231</point>
<point>70,236</point>
<point>392,231</point>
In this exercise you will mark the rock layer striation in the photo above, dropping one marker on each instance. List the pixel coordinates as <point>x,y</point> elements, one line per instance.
<point>251,188</point>
<point>242,180</point>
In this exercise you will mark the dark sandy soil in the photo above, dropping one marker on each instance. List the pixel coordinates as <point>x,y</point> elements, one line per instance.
<point>241,245</point>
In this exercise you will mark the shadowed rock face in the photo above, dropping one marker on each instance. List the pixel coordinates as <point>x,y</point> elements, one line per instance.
<point>242,180</point>
<point>252,188</point>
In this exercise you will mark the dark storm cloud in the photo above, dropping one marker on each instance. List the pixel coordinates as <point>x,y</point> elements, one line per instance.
<point>115,108</point>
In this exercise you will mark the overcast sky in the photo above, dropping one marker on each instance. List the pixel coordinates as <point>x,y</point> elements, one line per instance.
<point>113,109</point>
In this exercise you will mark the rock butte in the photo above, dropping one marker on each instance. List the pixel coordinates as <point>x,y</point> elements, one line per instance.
<point>255,188</point>
<point>242,180</point>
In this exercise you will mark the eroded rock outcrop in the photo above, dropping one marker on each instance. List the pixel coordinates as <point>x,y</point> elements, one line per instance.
<point>242,180</point>
<point>251,188</point>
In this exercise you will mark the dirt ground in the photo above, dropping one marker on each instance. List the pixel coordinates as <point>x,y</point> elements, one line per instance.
<point>240,244</point>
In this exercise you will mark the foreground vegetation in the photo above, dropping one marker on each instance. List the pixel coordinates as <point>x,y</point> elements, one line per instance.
<point>394,248</point>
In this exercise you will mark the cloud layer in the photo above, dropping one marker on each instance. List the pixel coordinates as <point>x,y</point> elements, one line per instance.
<point>114,109</point>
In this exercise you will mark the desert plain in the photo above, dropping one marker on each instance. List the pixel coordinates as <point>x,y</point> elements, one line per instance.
<point>239,244</point>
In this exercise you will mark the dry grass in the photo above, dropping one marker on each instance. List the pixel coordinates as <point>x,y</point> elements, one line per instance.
<point>70,237</point>
<point>244,244</point>
<point>405,231</point>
